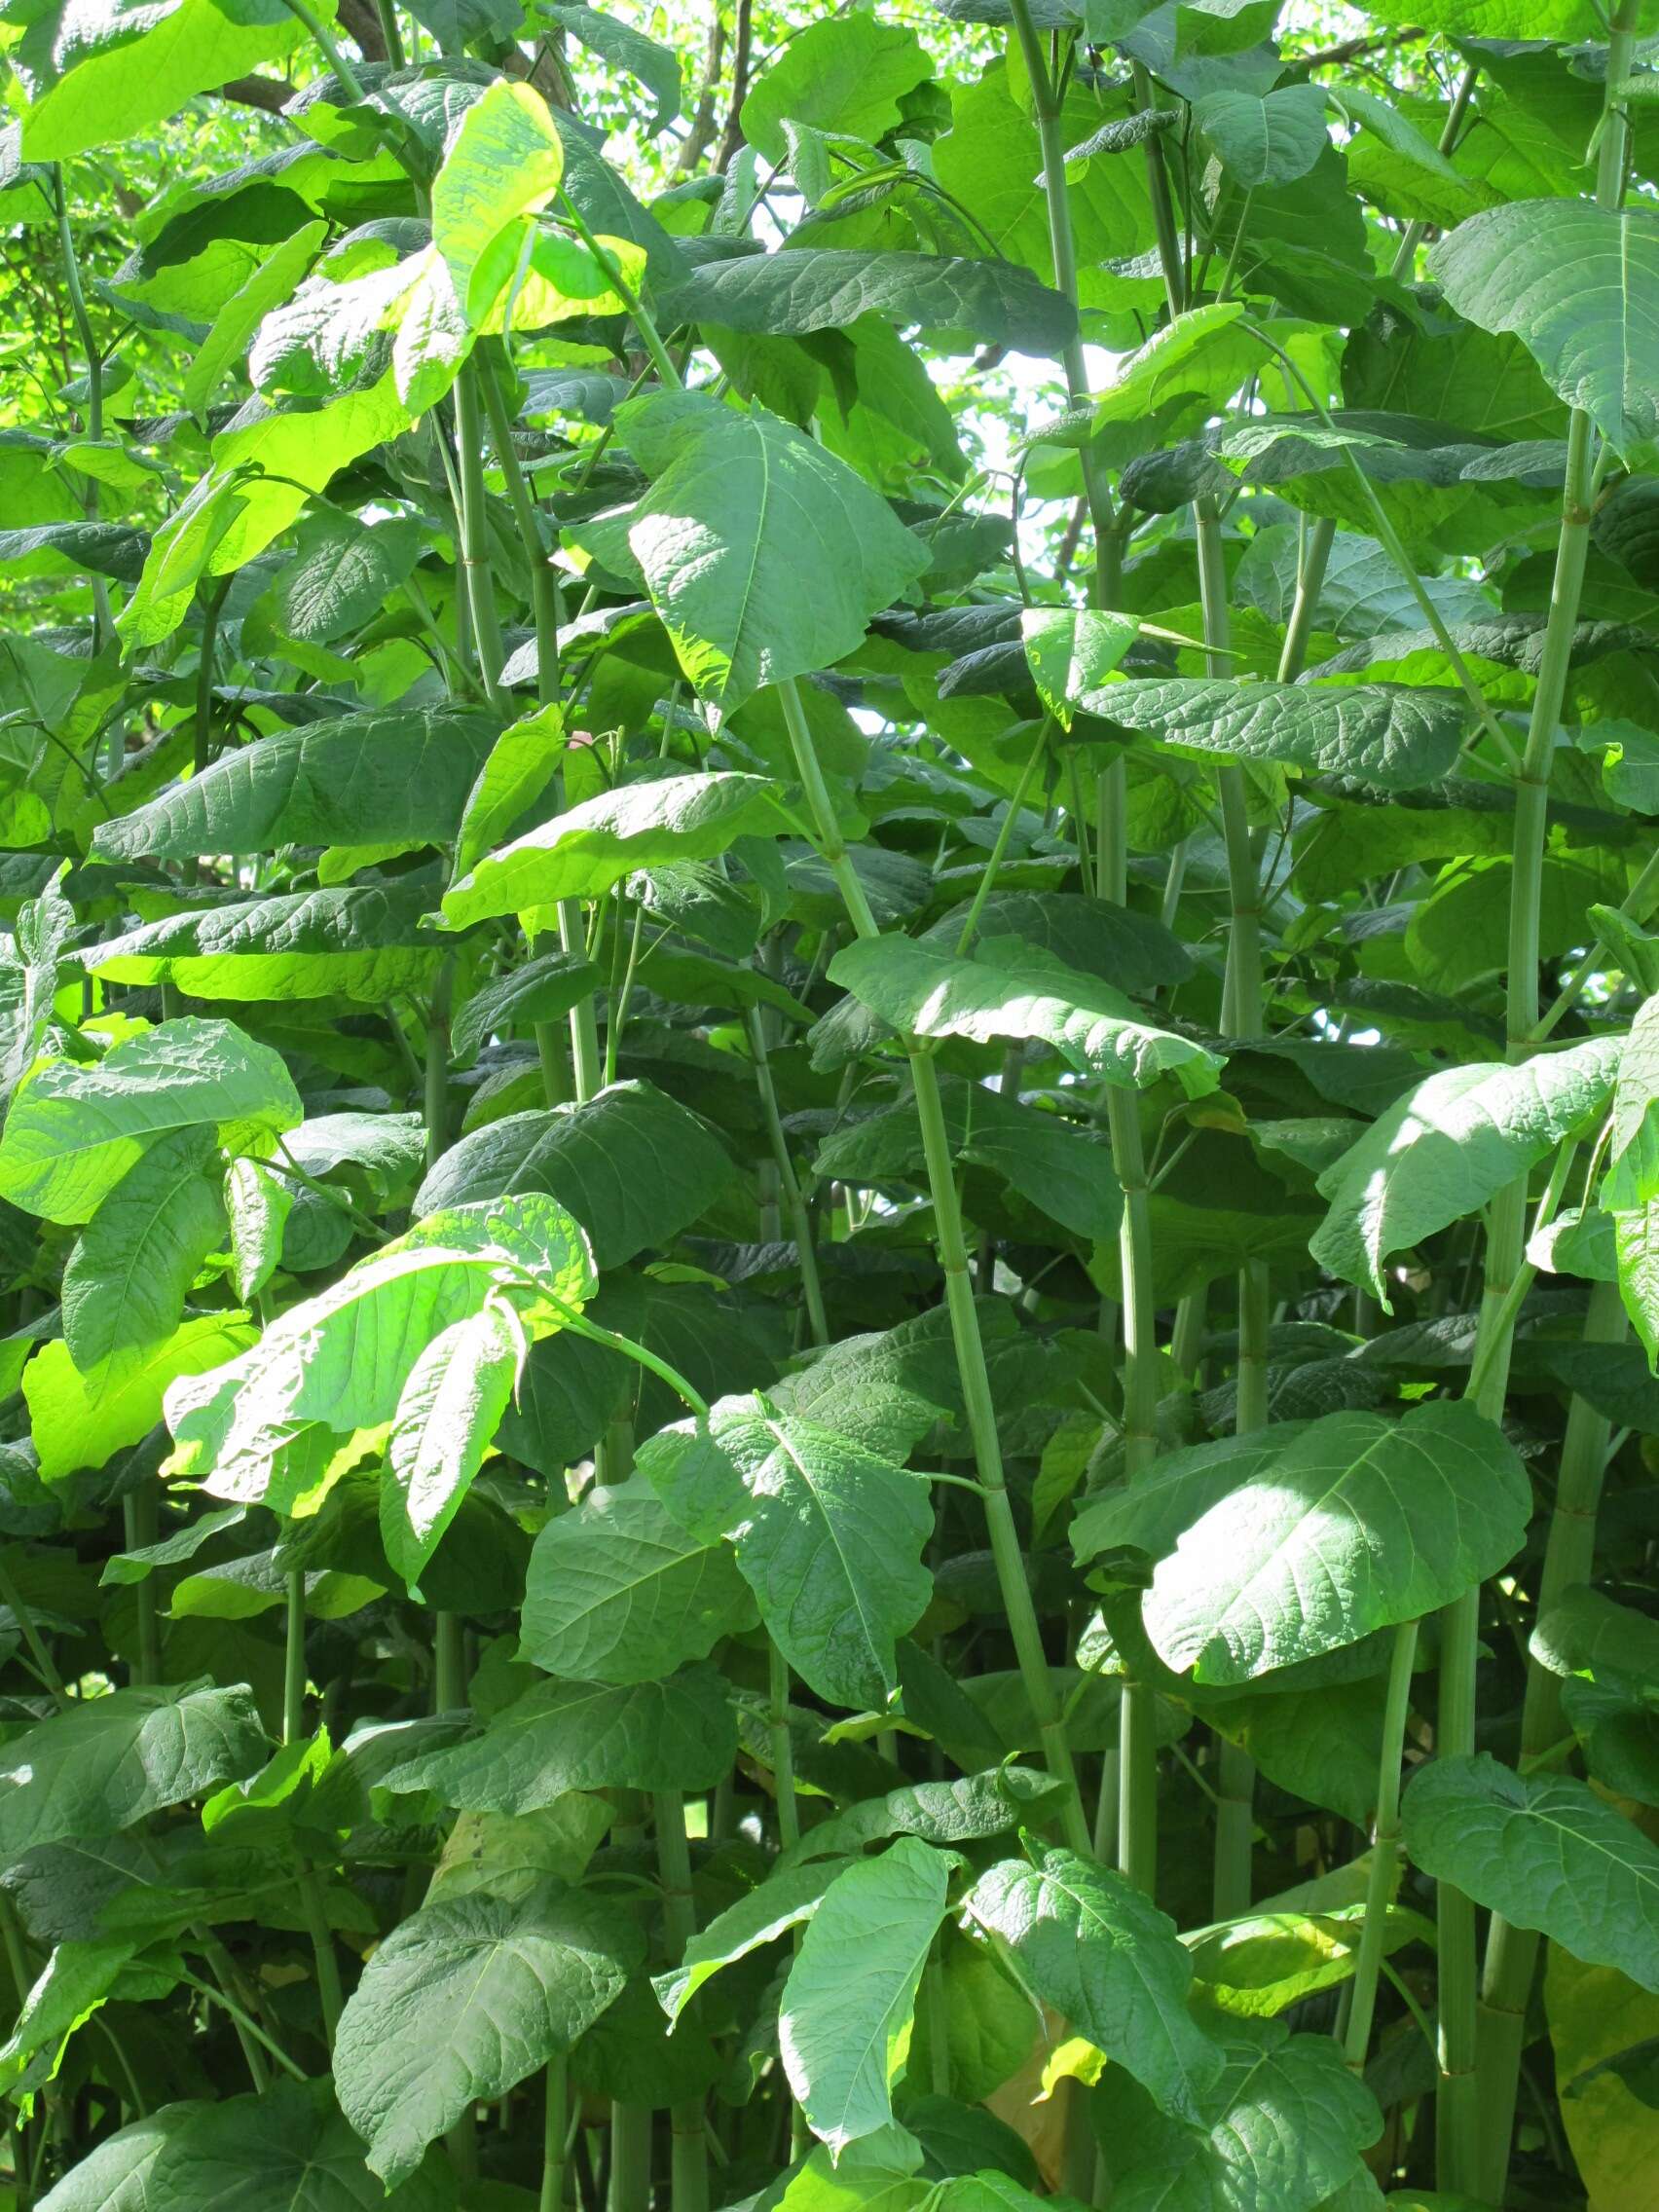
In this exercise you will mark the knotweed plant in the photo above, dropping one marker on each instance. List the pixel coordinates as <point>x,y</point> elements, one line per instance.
<point>829,1183</point>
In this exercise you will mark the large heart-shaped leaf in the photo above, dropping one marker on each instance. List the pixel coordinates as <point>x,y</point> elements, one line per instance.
<point>1544,1851</point>
<point>514,1984</point>
<point>1442,1150</point>
<point>829,1536</point>
<point>617,1592</point>
<point>764,555</point>
<point>1578,284</point>
<point>1364,1520</point>
<point>1087,1942</point>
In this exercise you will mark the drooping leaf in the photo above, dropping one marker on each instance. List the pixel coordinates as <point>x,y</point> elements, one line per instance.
<point>828,1535</point>
<point>406,773</point>
<point>844,2019</point>
<point>447,1412</point>
<point>1391,736</point>
<point>1578,284</point>
<point>633,1168</point>
<point>764,555</point>
<point>504,159</point>
<point>287,2149</point>
<point>1282,2131</point>
<point>1011,990</point>
<point>281,1422</point>
<point>513,1983</point>
<point>584,852</point>
<point>1085,1941</point>
<point>827,287</point>
<point>126,1284</point>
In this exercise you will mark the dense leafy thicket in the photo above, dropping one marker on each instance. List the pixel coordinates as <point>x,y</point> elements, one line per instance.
<point>829,1188</point>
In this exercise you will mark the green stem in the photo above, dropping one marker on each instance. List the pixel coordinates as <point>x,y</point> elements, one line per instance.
<point>45,1665</point>
<point>294,1660</point>
<point>1062,247</point>
<point>104,626</point>
<point>1477,2102</point>
<point>251,2030</point>
<point>546,606</point>
<point>138,1528</point>
<point>1384,1850</point>
<point>689,2170</point>
<point>1511,1952</point>
<point>473,549</point>
<point>1163,203</point>
<point>330,1995</point>
<point>436,1102</point>
<point>449,1663</point>
<point>782,1746</point>
<point>1005,832</point>
<point>1007,1552</point>
<point>801,1219</point>
<point>555,2134</point>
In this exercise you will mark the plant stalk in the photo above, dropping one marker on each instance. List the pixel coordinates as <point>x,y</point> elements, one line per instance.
<point>1384,1850</point>
<point>1475,2100</point>
<point>955,1261</point>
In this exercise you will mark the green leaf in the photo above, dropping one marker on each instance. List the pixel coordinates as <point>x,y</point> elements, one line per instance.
<point>1009,990</point>
<point>75,1130</point>
<point>632,1166</point>
<point>1546,1853</point>
<point>809,289</point>
<point>764,555</point>
<point>404,776</point>
<point>844,2019</point>
<point>519,767</point>
<point>102,75</point>
<point>112,1760</point>
<point>513,1984</point>
<point>584,852</point>
<point>29,984</point>
<point>541,990</point>
<point>1281,2131</point>
<point>1072,649</point>
<point>655,66</point>
<point>447,1415</point>
<point>128,1277</point>
<point>1086,1941</point>
<point>1272,140</point>
<point>678,1734</point>
<point>1388,735</point>
<point>1444,1148</point>
<point>352,941</point>
<point>950,1813</point>
<point>1063,1170</point>
<point>1363,1521</point>
<point>783,1902</point>
<point>1578,284</point>
<point>829,1536</point>
<point>280,1424</point>
<point>258,1204</point>
<point>843,73</point>
<point>287,2149</point>
<point>504,159</point>
<point>1198,354</point>
<point>82,1420</point>
<point>617,1592</point>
